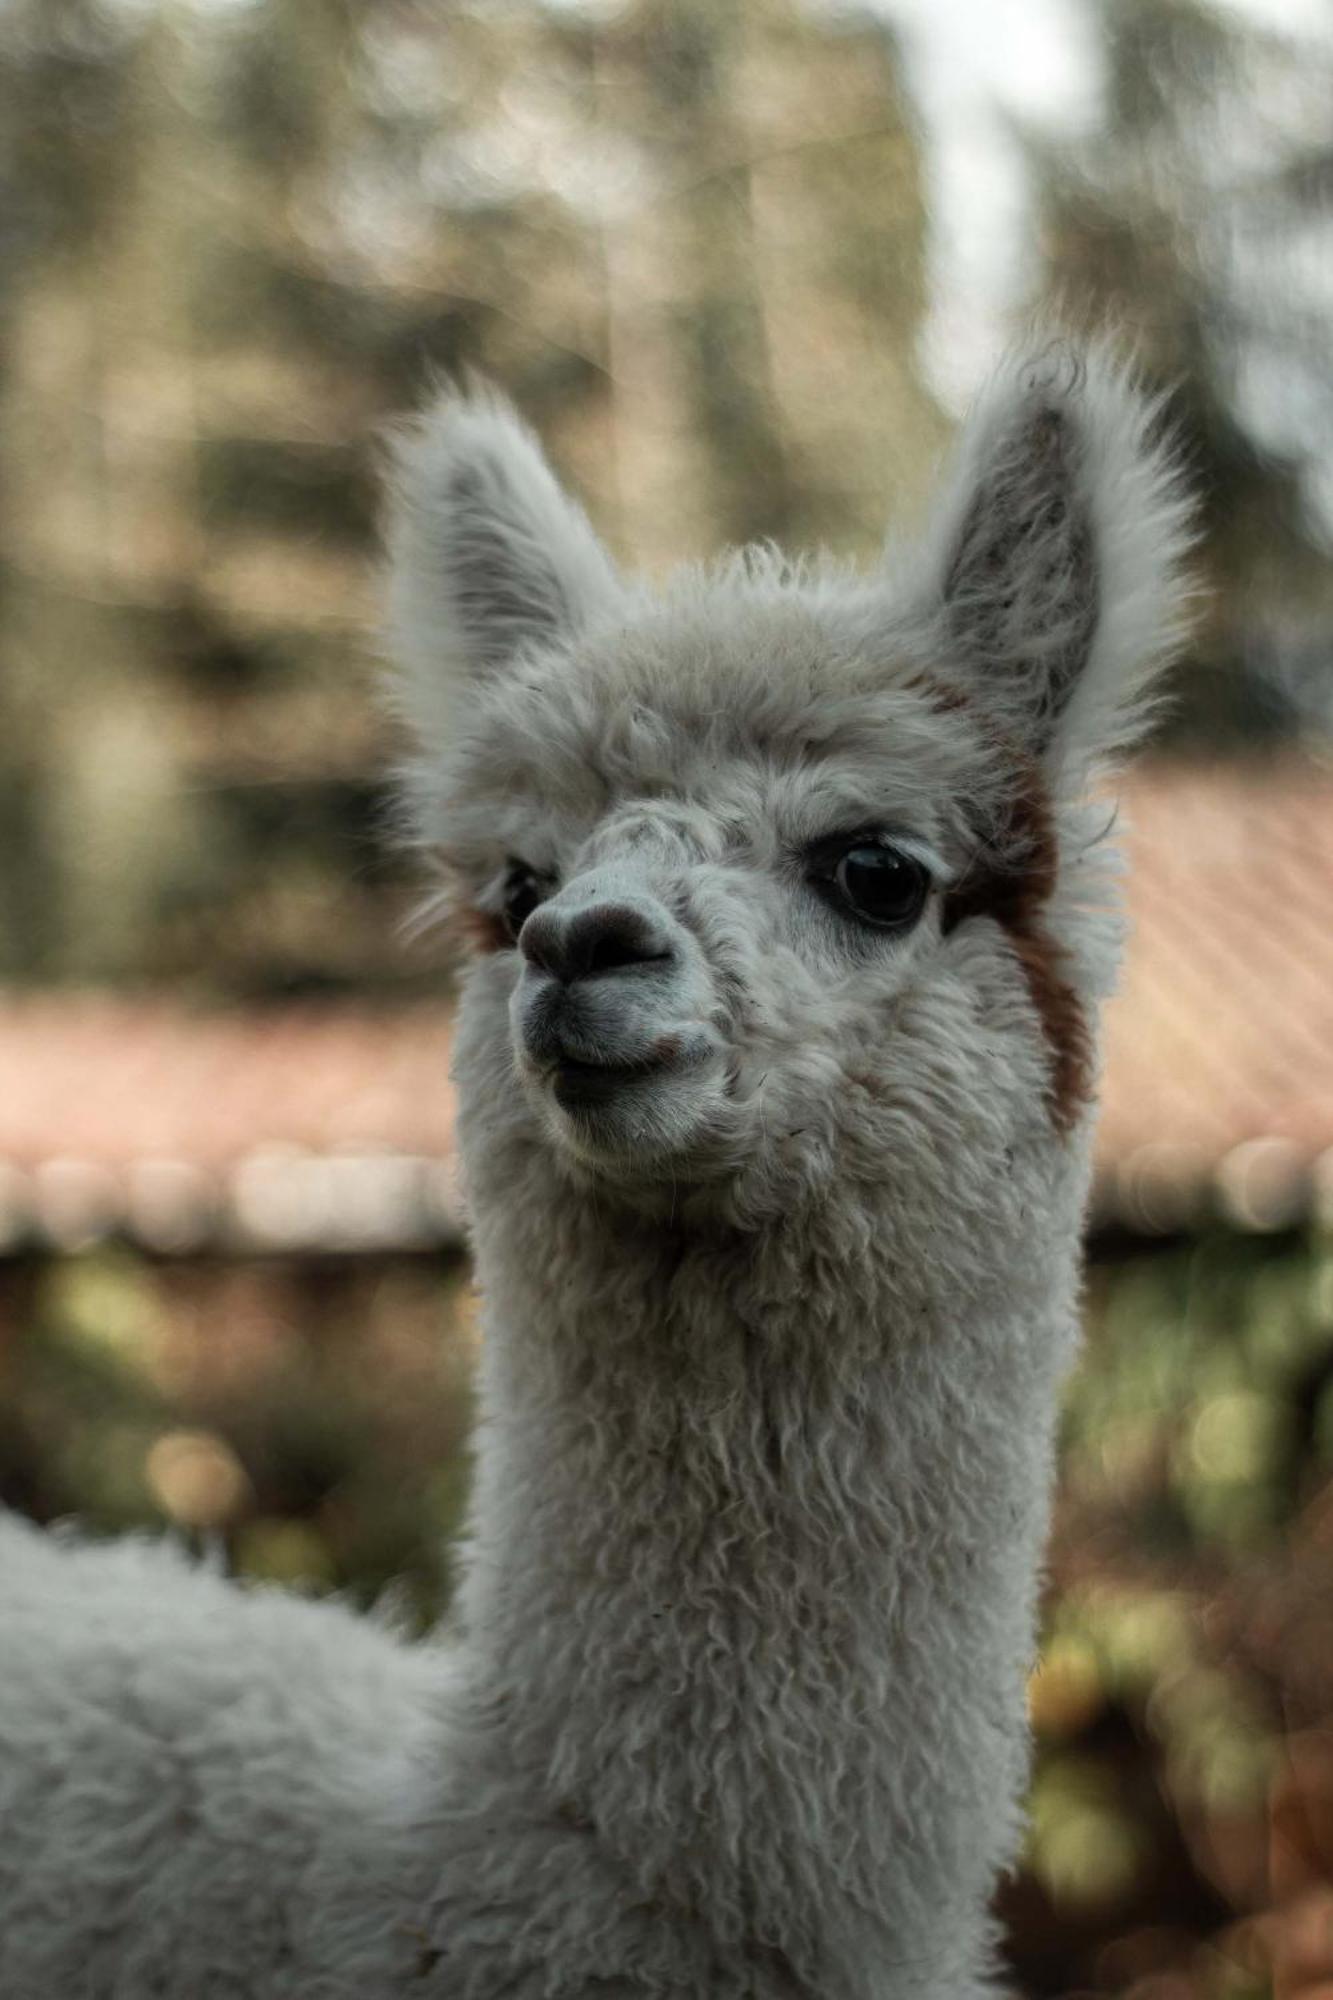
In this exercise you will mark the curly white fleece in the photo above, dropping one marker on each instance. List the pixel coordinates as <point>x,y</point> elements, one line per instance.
<point>734,1701</point>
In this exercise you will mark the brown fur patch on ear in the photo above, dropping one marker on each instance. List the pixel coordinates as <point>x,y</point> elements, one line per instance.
<point>1012,882</point>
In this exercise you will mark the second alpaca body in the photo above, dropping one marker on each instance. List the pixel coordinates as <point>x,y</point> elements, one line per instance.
<point>792,921</point>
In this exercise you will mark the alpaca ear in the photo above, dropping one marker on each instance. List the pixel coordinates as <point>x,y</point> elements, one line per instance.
<point>487,555</point>
<point>1059,555</point>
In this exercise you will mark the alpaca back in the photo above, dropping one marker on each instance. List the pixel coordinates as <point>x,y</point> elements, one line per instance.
<point>205,1791</point>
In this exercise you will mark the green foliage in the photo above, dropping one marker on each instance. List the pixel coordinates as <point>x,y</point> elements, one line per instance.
<point>310,1422</point>
<point>1182,1639</point>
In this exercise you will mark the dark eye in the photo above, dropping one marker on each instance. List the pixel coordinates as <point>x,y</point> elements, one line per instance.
<point>523,889</point>
<point>880,885</point>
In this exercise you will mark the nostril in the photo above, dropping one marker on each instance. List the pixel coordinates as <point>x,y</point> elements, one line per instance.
<point>612,948</point>
<point>611,937</point>
<point>599,938</point>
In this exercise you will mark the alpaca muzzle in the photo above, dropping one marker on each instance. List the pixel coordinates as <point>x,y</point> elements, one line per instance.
<point>609,1008</point>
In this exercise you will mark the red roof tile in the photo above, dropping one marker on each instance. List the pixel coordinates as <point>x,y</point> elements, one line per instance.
<point>110,1079</point>
<point>1221,1037</point>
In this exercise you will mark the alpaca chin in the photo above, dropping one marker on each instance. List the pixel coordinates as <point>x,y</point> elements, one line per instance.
<point>636,1126</point>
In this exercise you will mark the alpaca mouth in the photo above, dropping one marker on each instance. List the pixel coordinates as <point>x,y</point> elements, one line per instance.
<point>578,1085</point>
<point>649,1091</point>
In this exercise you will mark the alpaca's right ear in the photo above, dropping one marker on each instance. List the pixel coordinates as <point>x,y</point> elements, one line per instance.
<point>487,555</point>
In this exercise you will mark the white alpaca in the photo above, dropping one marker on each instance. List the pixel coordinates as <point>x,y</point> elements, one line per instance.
<point>791,920</point>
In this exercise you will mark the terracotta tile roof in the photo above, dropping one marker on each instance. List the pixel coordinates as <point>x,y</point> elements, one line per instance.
<point>1219,1053</point>
<point>111,1079</point>
<point>332,1125</point>
<point>286,1127</point>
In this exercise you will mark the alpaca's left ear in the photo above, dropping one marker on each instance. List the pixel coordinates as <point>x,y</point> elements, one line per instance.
<point>1057,563</point>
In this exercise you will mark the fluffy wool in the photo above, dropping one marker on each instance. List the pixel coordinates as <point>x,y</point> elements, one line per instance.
<point>775,1210</point>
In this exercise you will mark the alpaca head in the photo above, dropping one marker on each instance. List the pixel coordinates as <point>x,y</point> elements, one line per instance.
<point>782,873</point>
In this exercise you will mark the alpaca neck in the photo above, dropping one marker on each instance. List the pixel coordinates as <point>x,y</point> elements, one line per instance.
<point>755,1532</point>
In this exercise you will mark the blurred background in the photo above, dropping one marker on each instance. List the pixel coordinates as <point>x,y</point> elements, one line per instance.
<point>743,266</point>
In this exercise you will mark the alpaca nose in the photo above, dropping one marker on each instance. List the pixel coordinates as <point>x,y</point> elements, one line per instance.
<point>593,938</point>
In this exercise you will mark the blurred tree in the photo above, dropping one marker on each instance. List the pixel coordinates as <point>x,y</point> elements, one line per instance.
<point>64,75</point>
<point>773,274</point>
<point>1195,218</point>
<point>64,160</point>
<point>689,240</point>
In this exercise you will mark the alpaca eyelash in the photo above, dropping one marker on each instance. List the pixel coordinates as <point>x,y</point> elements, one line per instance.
<point>823,854</point>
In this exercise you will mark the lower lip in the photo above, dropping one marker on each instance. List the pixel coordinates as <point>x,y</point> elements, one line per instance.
<point>577,1085</point>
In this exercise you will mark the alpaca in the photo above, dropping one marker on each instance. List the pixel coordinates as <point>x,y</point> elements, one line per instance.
<point>789,920</point>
